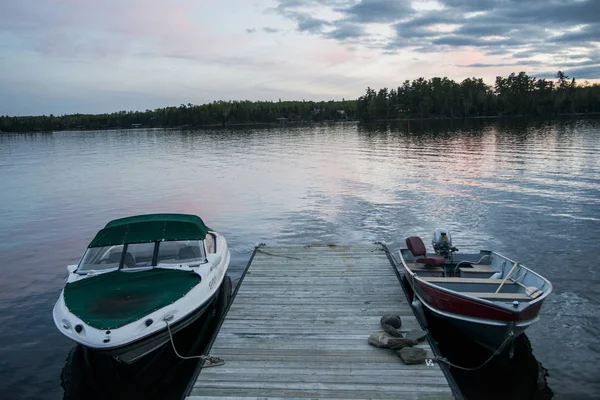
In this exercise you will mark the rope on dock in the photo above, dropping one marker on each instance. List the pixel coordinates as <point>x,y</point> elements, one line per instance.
<point>209,361</point>
<point>498,351</point>
<point>277,255</point>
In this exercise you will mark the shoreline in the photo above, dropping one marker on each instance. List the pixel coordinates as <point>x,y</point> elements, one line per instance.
<point>276,123</point>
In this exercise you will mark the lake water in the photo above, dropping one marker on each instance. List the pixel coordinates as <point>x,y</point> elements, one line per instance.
<point>529,190</point>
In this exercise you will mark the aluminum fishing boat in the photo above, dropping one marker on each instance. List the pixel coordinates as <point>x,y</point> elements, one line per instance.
<point>141,279</point>
<point>487,296</point>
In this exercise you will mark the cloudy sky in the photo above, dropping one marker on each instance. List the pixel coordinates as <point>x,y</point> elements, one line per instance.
<point>67,56</point>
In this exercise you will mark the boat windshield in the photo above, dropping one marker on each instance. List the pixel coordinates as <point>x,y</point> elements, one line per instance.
<point>181,252</point>
<point>101,258</point>
<point>141,255</point>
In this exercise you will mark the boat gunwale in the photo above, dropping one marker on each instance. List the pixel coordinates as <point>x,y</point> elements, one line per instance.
<point>478,320</point>
<point>104,347</point>
<point>533,302</point>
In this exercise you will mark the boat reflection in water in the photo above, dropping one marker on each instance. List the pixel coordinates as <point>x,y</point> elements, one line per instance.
<point>503,377</point>
<point>159,375</point>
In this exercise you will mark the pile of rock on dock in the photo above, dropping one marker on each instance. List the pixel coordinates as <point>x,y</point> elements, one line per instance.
<point>392,338</point>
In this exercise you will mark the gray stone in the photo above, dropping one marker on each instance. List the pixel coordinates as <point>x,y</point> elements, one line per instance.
<point>416,334</point>
<point>380,339</point>
<point>392,320</point>
<point>412,355</point>
<point>391,330</point>
<point>399,343</point>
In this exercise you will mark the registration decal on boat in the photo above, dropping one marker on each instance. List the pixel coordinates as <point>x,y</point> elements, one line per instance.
<point>212,282</point>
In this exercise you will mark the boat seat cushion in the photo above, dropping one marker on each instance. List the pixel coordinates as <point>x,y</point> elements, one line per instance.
<point>129,261</point>
<point>416,246</point>
<point>115,256</point>
<point>432,260</point>
<point>188,252</point>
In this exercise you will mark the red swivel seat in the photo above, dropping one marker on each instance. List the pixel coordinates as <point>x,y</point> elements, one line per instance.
<point>417,248</point>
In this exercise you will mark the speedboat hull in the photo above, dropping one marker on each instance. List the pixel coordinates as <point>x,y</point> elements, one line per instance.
<point>148,332</point>
<point>129,346</point>
<point>132,352</point>
<point>141,280</point>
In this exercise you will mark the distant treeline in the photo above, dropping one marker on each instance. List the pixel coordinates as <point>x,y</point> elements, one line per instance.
<point>216,113</point>
<point>518,94</point>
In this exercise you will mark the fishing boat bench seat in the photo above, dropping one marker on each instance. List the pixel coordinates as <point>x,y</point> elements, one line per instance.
<point>499,296</point>
<point>468,280</point>
<point>477,271</point>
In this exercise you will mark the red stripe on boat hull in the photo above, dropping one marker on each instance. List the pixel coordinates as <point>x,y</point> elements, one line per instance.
<point>456,304</point>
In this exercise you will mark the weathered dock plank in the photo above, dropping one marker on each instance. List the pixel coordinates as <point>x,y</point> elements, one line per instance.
<point>298,328</point>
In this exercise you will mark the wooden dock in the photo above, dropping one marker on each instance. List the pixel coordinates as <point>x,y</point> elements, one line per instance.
<point>298,328</point>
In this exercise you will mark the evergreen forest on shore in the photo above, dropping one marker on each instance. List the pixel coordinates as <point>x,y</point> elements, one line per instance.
<point>515,95</point>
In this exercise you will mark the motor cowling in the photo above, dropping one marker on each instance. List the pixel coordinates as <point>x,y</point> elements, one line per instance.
<point>442,242</point>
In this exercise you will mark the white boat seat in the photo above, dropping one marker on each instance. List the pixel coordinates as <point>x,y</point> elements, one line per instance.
<point>188,253</point>
<point>499,296</point>
<point>129,260</point>
<point>468,280</point>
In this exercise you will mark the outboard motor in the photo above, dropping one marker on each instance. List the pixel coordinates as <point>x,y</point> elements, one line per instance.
<point>442,243</point>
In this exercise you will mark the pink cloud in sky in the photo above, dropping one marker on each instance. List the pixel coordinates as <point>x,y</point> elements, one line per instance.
<point>333,54</point>
<point>119,28</point>
<point>91,54</point>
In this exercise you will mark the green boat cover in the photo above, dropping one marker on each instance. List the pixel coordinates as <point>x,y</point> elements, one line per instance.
<point>151,228</point>
<point>114,299</point>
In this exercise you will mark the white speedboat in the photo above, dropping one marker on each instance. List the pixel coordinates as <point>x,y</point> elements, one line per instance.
<point>141,279</point>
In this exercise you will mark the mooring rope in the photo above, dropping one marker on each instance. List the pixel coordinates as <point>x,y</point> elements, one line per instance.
<point>498,351</point>
<point>277,255</point>
<point>213,361</point>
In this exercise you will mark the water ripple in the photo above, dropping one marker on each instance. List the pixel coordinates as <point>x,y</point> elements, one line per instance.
<point>531,191</point>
